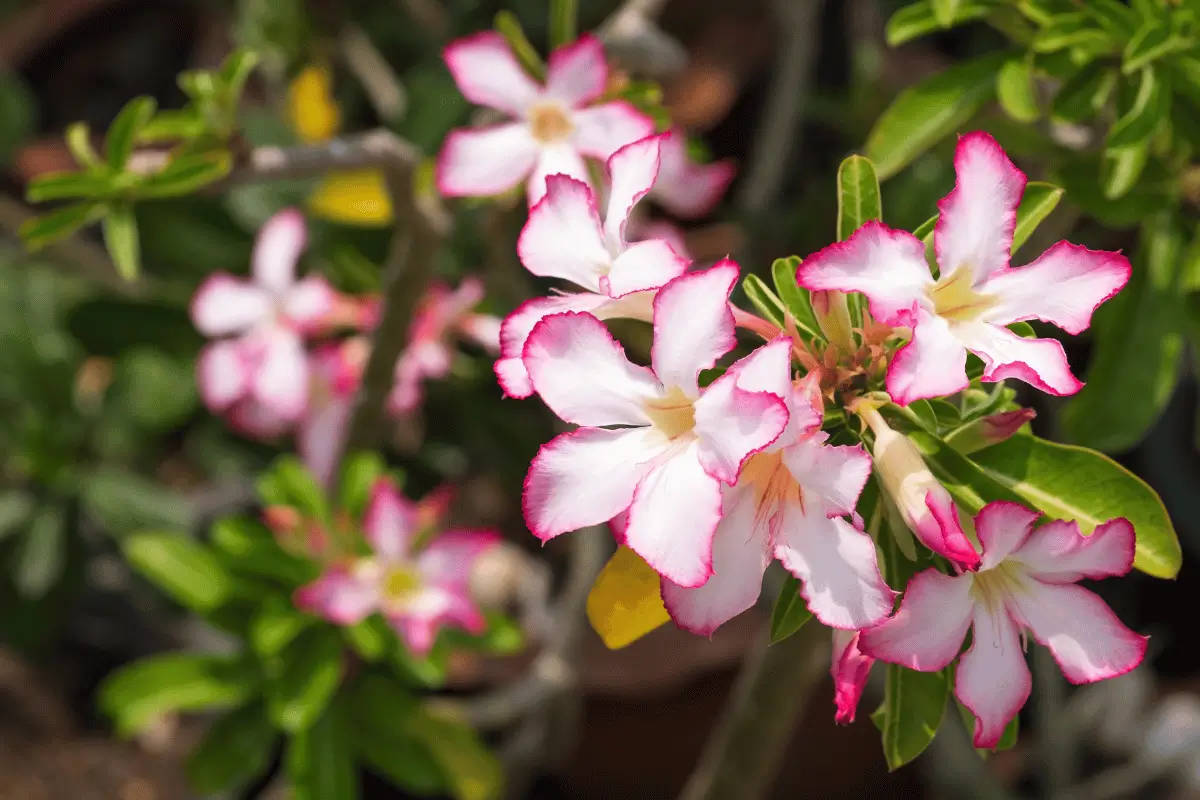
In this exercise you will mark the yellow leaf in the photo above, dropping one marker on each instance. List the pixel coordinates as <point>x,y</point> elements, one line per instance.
<point>625,603</point>
<point>353,198</point>
<point>311,109</point>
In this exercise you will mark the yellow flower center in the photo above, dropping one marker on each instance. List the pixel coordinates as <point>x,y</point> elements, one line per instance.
<point>674,414</point>
<point>400,584</point>
<point>549,123</point>
<point>991,586</point>
<point>771,480</point>
<point>955,299</point>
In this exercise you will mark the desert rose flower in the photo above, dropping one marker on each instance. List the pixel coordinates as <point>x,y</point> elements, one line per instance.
<point>850,669</point>
<point>685,188</point>
<point>977,292</point>
<point>1026,582</point>
<point>553,128</point>
<point>418,593</point>
<point>677,444</point>
<point>261,357</point>
<point>321,434</point>
<point>564,238</point>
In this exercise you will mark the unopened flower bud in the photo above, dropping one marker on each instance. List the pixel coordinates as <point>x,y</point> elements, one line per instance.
<point>989,430</point>
<point>833,316</point>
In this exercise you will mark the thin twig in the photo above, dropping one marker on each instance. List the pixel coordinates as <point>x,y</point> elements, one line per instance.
<point>377,77</point>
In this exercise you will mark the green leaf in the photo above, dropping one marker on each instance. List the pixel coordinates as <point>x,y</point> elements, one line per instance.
<point>1122,167</point>
<point>925,114</point>
<point>763,299</point>
<point>42,553</point>
<point>311,671</point>
<point>41,231</point>
<point>794,296</point>
<point>320,760</point>
<point>139,693</point>
<point>1081,176</point>
<point>791,612</point>
<point>156,389</point>
<point>1074,483</point>
<point>124,130</point>
<point>1113,15</point>
<point>188,572</point>
<point>123,502</point>
<point>1153,41</point>
<point>16,507</point>
<point>1085,93</point>
<point>858,196</point>
<point>186,174</point>
<point>471,770</point>
<point>1149,107</point>
<point>1039,200</point>
<point>237,749</point>
<point>68,185</point>
<point>171,126</point>
<point>1014,90</point>
<point>360,471</point>
<point>252,550</point>
<point>298,488</point>
<point>1138,345</point>
<point>502,636</point>
<point>508,26</point>
<point>370,638</point>
<point>1074,30</point>
<point>945,11</point>
<point>913,706</point>
<point>236,69</point>
<point>918,19</point>
<point>564,20</point>
<point>276,626</point>
<point>381,711</point>
<point>79,141</point>
<point>121,239</point>
<point>1185,70</point>
<point>18,110</point>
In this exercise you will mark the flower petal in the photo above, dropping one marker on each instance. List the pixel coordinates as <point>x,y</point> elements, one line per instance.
<point>977,219</point>
<point>928,629</point>
<point>673,517</point>
<point>632,171</point>
<point>321,435</point>
<point>837,568</point>
<point>733,424</point>
<point>308,302</point>
<point>1080,630</point>
<point>389,522</point>
<point>887,266</point>
<point>562,237</point>
<point>941,531</point>
<point>277,250</point>
<point>932,364</point>
<point>693,326</point>
<point>515,330</point>
<point>488,74</point>
<point>992,679</point>
<point>741,551</point>
<point>577,73</point>
<point>582,374</point>
<point>625,602</point>
<point>832,476</point>
<point>688,190</point>
<point>480,162</point>
<point>1039,362</point>
<point>768,369</point>
<point>1064,286</point>
<point>1002,528</point>
<point>1058,553</point>
<point>280,381</point>
<point>586,477</point>
<point>602,130</point>
<point>434,607</point>
<point>558,159</point>
<point>448,560</point>
<point>340,596</point>
<point>850,670</point>
<point>254,420</point>
<point>221,374</point>
<point>225,305</point>
<point>642,266</point>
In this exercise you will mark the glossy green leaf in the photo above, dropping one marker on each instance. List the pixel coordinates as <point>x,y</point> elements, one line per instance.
<point>1074,483</point>
<point>858,196</point>
<point>41,554</point>
<point>763,299</point>
<point>122,502</point>
<point>795,297</point>
<point>913,706</point>
<point>122,134</point>
<point>1185,72</point>
<point>172,126</point>
<point>919,19</point>
<point>1153,41</point>
<point>790,613</point>
<point>1085,93</point>
<point>1039,200</point>
<point>371,638</point>
<point>470,768</point>
<point>141,692</point>
<point>68,185</point>
<point>1082,175</point>
<point>1113,15</point>
<point>1015,91</point>
<point>360,471</point>
<point>276,626</point>
<point>236,70</point>
<point>295,486</point>
<point>1149,107</point>
<point>252,550</point>
<point>1139,337</point>
<point>925,114</point>
<point>311,671</point>
<point>320,760</point>
<point>189,572</point>
<point>381,712</point>
<point>502,636</point>
<point>186,174</point>
<point>237,749</point>
<point>41,231</point>
<point>1074,30</point>
<point>508,26</point>
<point>121,239</point>
<point>78,137</point>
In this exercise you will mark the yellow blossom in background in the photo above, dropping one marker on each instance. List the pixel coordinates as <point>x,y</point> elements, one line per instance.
<point>625,603</point>
<point>358,197</point>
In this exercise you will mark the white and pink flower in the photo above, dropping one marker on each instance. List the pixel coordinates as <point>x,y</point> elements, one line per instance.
<point>418,592</point>
<point>442,314</point>
<point>260,369</point>
<point>977,292</point>
<point>564,238</point>
<point>850,669</point>
<point>1026,582</point>
<point>789,503</point>
<point>685,188</point>
<point>555,125</point>
<point>677,444</point>
<point>321,434</point>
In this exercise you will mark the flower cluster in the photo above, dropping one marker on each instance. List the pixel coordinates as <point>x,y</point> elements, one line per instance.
<point>708,479</point>
<point>260,372</point>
